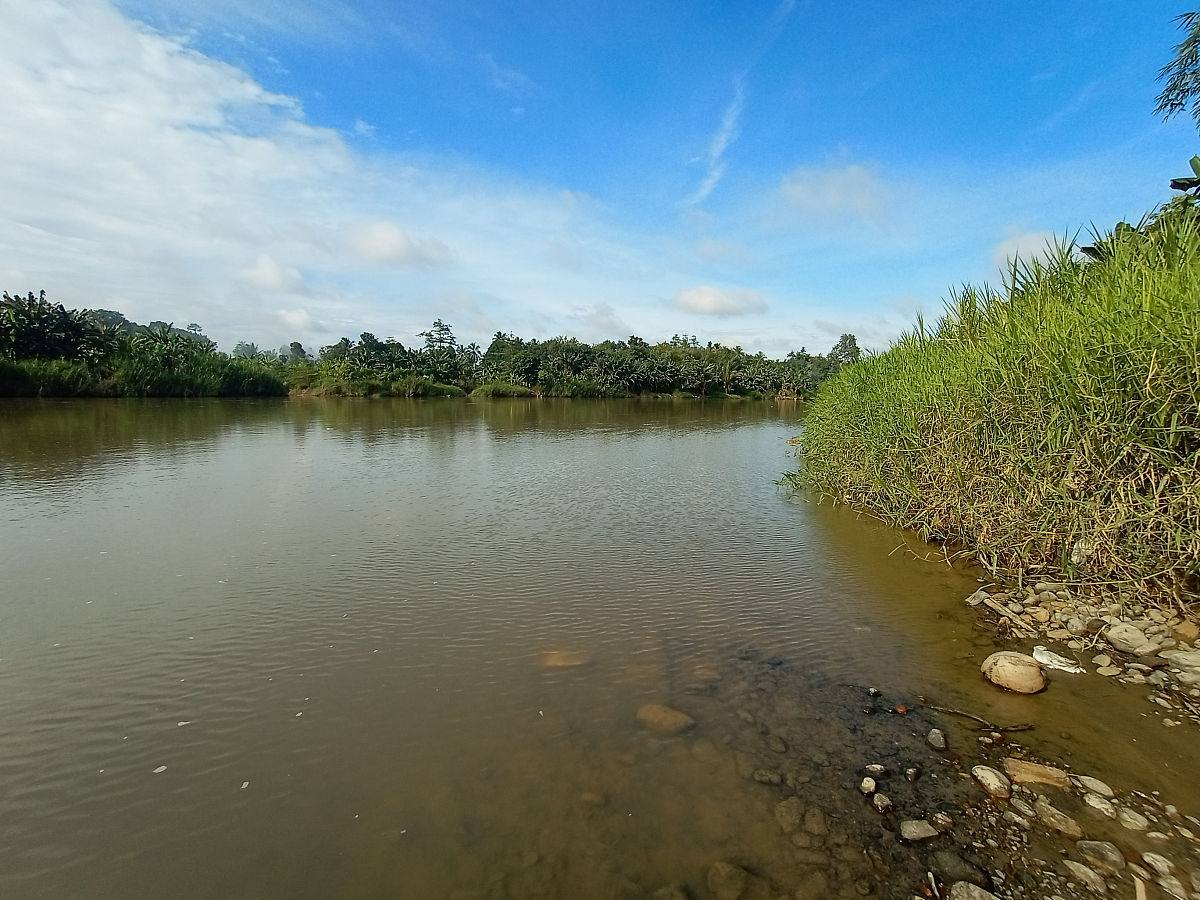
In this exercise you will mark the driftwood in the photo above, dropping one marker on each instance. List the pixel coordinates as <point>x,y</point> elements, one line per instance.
<point>985,725</point>
<point>1011,616</point>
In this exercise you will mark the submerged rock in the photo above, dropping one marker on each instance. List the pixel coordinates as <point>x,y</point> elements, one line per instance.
<point>1023,772</point>
<point>1057,820</point>
<point>663,720</point>
<point>1085,876</point>
<point>789,814</point>
<point>1014,672</point>
<point>1101,854</point>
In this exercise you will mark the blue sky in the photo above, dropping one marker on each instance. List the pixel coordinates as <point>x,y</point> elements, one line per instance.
<point>767,174</point>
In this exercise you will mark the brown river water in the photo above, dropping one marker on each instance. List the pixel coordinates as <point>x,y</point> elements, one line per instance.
<point>299,649</point>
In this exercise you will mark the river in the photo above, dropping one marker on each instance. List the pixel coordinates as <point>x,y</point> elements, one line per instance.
<point>312,648</point>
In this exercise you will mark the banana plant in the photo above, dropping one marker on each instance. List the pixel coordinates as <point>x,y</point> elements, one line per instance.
<point>1189,183</point>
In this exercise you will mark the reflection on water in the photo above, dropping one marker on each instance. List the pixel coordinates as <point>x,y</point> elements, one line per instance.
<point>328,621</point>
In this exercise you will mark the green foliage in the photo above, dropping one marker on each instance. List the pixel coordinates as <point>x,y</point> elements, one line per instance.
<point>122,358</point>
<point>34,328</point>
<point>1182,74</point>
<point>502,389</point>
<point>560,367</point>
<point>1052,426</point>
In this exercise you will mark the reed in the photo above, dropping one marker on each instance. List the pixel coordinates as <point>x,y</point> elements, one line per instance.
<point>1050,427</point>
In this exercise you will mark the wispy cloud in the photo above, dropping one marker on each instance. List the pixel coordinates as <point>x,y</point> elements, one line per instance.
<point>726,134</point>
<point>506,80</point>
<point>728,128</point>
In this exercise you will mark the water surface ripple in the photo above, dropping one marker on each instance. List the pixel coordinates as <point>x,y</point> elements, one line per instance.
<point>299,648</point>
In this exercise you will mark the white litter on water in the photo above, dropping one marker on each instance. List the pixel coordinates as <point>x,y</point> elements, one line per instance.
<point>245,784</point>
<point>299,714</point>
<point>160,770</point>
<point>181,724</point>
<point>1054,661</point>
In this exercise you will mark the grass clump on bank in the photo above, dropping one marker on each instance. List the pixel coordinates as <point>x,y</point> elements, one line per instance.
<point>1051,426</point>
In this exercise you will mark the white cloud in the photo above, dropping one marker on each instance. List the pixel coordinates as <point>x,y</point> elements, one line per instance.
<point>1027,246</point>
<point>711,301</point>
<point>834,194</point>
<point>388,244</point>
<point>268,275</point>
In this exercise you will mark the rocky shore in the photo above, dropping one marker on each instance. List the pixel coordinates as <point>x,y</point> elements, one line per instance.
<point>926,808</point>
<point>1111,634</point>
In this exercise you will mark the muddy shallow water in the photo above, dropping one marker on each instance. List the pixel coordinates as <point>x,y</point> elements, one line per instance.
<point>329,622</point>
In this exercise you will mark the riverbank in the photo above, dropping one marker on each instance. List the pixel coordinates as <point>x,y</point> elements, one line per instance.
<point>1050,429</point>
<point>1111,635</point>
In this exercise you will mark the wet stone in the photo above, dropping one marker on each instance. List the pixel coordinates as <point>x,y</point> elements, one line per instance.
<point>1093,785</point>
<point>1102,806</point>
<point>670,892</point>
<point>1132,820</point>
<point>1085,876</point>
<point>766,776</point>
<point>936,739</point>
<point>1057,820</point>
<point>1101,854</point>
<point>951,867</point>
<point>1172,886</point>
<point>1022,807</point>
<point>1023,772</point>
<point>964,890</point>
<point>1160,864</point>
<point>994,783</point>
<point>882,804</point>
<point>917,830</point>
<point>867,785</point>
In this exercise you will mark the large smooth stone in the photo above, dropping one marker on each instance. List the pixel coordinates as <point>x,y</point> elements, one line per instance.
<point>661,719</point>
<point>1014,672</point>
<point>1129,639</point>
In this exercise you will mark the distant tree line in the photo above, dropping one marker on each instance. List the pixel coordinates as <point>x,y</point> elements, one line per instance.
<point>48,349</point>
<point>557,367</point>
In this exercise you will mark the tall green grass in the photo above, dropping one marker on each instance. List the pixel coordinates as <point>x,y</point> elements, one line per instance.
<point>1051,426</point>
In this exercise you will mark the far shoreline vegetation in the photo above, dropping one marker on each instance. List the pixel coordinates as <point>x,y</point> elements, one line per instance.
<point>47,350</point>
